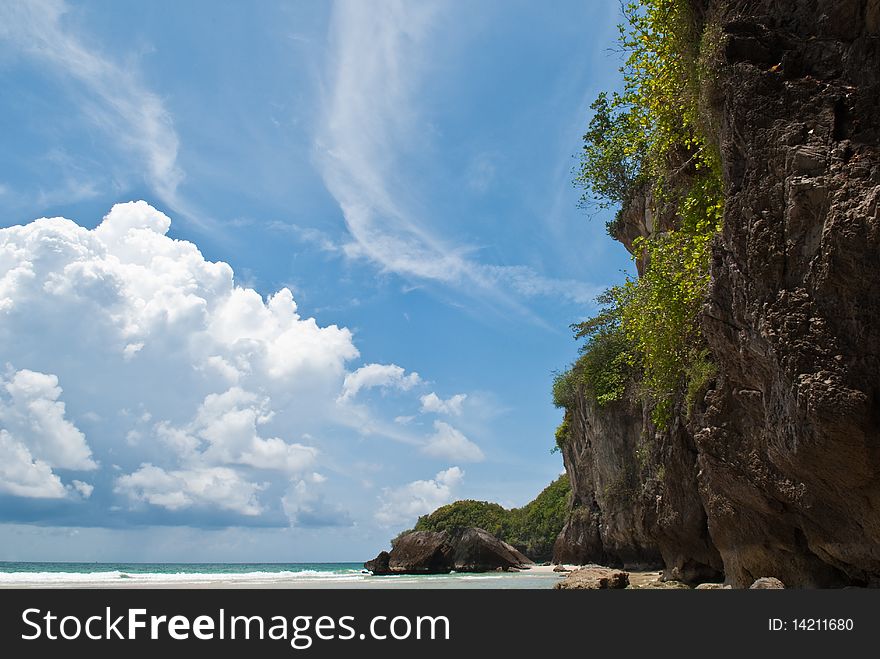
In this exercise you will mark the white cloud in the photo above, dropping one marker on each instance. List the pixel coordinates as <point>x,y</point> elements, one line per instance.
<point>433,403</point>
<point>218,487</point>
<point>115,99</point>
<point>451,444</point>
<point>84,489</point>
<point>142,290</point>
<point>23,476</point>
<point>154,343</point>
<point>386,376</point>
<point>225,428</point>
<point>404,504</point>
<point>307,508</point>
<point>371,126</point>
<point>36,436</point>
<point>30,411</point>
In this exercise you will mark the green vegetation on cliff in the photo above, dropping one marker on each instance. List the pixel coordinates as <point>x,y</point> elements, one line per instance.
<point>650,141</point>
<point>532,529</point>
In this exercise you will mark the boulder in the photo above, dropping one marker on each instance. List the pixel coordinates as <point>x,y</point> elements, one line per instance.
<point>467,549</point>
<point>767,583</point>
<point>379,565</point>
<point>476,550</point>
<point>594,578</point>
<point>421,552</point>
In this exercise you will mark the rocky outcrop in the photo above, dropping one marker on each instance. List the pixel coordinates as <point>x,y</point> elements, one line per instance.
<point>777,470</point>
<point>460,550</point>
<point>379,565</point>
<point>476,550</point>
<point>593,578</point>
<point>420,552</point>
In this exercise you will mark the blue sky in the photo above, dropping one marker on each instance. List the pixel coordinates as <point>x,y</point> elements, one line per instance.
<point>339,298</point>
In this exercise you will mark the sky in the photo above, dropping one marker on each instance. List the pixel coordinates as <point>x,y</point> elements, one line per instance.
<point>277,278</point>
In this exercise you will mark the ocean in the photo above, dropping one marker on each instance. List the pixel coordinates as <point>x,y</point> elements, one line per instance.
<point>250,575</point>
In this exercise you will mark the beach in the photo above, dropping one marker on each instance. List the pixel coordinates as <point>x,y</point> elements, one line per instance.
<point>267,576</point>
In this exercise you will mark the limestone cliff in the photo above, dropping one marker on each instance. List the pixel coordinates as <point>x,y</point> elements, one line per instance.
<point>776,470</point>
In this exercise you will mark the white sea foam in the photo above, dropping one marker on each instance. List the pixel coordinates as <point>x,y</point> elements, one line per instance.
<point>116,576</point>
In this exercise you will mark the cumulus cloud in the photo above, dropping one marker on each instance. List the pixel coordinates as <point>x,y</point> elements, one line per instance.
<point>219,487</point>
<point>309,509</point>
<point>180,373</point>
<point>402,505</point>
<point>143,289</point>
<point>33,413</point>
<point>433,403</point>
<point>36,436</point>
<point>451,444</point>
<point>22,475</point>
<point>84,489</point>
<point>385,376</point>
<point>225,431</point>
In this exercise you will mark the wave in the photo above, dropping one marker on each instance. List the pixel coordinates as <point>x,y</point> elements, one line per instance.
<point>113,576</point>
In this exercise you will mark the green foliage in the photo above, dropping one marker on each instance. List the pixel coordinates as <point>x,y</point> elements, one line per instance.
<point>652,127</point>
<point>652,131</point>
<point>483,514</point>
<point>612,160</point>
<point>660,310</point>
<point>605,367</point>
<point>700,371</point>
<point>562,431</point>
<point>565,389</point>
<point>532,529</point>
<point>606,363</point>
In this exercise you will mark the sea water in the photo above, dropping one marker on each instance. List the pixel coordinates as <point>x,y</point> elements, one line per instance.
<point>248,575</point>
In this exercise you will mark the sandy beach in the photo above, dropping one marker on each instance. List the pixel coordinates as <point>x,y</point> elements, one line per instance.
<point>538,577</point>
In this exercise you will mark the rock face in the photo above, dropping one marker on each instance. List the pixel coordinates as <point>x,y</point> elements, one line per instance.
<point>790,444</point>
<point>777,469</point>
<point>635,501</point>
<point>593,578</point>
<point>462,550</point>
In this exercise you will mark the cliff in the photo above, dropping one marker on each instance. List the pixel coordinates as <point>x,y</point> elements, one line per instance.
<point>772,468</point>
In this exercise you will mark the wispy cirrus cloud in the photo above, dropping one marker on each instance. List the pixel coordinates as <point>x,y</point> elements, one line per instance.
<point>368,140</point>
<point>111,95</point>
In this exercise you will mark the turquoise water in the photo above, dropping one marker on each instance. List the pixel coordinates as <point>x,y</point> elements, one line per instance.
<point>247,575</point>
<point>178,568</point>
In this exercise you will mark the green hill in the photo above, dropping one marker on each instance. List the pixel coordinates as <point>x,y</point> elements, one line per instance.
<point>532,529</point>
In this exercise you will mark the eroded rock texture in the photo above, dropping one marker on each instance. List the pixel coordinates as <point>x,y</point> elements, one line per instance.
<point>636,503</point>
<point>790,447</point>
